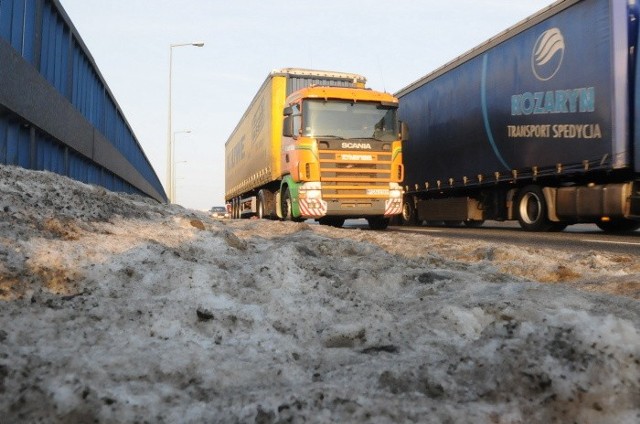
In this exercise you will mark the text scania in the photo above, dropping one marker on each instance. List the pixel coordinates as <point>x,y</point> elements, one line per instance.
<point>559,101</point>
<point>356,145</point>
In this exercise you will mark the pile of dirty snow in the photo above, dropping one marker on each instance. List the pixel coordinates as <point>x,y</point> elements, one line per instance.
<point>114,308</point>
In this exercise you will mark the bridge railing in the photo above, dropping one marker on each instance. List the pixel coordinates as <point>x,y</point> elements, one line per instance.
<point>56,111</point>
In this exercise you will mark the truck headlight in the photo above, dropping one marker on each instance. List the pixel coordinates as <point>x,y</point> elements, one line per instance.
<point>310,191</point>
<point>395,191</point>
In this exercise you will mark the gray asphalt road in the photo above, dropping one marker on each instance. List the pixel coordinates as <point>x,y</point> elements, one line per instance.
<point>581,237</point>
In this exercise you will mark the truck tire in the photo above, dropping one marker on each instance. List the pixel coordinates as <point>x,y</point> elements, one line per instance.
<point>260,206</point>
<point>378,222</point>
<point>618,225</point>
<point>531,209</point>
<point>238,208</point>
<point>408,213</point>
<point>286,205</point>
<point>234,208</point>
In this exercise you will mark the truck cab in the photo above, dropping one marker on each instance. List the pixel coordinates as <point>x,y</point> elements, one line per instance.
<point>341,156</point>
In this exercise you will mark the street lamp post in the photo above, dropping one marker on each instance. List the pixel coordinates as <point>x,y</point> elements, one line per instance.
<point>172,193</point>
<point>169,134</point>
<point>175,196</point>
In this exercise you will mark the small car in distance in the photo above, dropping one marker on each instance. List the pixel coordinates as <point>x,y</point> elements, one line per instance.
<point>219,212</point>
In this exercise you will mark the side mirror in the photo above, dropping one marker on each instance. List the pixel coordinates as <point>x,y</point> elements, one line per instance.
<point>287,126</point>
<point>404,131</point>
<point>287,111</point>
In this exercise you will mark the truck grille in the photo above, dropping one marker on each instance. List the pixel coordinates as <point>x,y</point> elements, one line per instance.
<point>355,174</point>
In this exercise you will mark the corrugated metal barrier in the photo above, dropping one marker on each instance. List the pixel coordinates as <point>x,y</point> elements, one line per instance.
<point>56,111</point>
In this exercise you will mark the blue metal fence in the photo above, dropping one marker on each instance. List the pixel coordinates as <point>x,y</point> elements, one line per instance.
<point>15,150</point>
<point>40,32</point>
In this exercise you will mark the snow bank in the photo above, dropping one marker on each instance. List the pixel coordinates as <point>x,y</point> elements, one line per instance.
<point>116,309</point>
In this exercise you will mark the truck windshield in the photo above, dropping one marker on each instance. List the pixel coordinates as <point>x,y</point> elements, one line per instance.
<point>348,120</point>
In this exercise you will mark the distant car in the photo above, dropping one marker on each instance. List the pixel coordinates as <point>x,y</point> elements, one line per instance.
<point>219,212</point>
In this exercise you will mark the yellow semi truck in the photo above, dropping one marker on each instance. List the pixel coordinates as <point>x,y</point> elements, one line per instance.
<point>316,145</point>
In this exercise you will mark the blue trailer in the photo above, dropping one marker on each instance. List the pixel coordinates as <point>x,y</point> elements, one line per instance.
<point>536,124</point>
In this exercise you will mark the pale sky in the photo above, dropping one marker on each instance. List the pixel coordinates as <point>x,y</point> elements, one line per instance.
<point>392,43</point>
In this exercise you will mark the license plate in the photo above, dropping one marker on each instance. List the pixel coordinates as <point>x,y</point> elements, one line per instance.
<point>352,157</point>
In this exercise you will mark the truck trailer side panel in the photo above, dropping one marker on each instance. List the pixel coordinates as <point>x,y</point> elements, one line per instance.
<point>535,103</point>
<point>253,150</point>
<point>634,31</point>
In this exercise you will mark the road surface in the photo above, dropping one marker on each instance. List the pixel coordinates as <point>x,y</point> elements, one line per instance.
<point>579,238</point>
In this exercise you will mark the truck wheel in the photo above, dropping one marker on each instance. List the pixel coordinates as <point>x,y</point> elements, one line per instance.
<point>286,205</point>
<point>260,206</point>
<point>260,213</point>
<point>238,209</point>
<point>378,222</point>
<point>234,208</point>
<point>532,209</point>
<point>408,213</point>
<point>618,225</point>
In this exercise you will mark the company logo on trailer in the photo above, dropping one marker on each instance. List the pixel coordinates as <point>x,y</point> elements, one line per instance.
<point>547,55</point>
